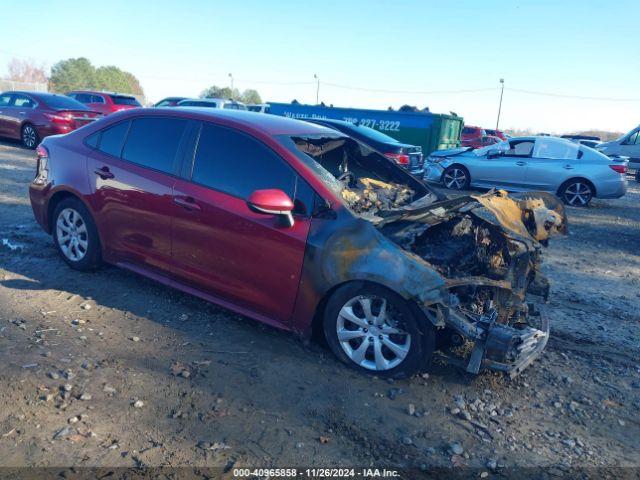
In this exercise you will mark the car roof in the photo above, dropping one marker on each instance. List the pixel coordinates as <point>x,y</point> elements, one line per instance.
<point>37,95</point>
<point>210,100</point>
<point>98,92</point>
<point>259,122</point>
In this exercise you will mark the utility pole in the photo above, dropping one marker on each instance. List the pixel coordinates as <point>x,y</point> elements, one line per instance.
<point>500,104</point>
<point>315,75</point>
<point>231,77</point>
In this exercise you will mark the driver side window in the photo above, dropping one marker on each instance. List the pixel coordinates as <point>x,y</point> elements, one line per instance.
<point>522,148</point>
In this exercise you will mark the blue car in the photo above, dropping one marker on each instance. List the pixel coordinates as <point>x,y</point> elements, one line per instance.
<point>574,172</point>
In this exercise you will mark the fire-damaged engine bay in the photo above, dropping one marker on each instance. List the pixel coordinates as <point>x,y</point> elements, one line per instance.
<point>487,247</point>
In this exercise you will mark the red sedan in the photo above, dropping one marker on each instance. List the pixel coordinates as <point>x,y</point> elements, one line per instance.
<point>301,227</point>
<point>31,116</point>
<point>105,102</point>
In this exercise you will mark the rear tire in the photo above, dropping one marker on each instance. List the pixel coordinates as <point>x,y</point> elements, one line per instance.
<point>456,177</point>
<point>29,136</point>
<point>375,331</point>
<point>75,235</point>
<point>577,192</point>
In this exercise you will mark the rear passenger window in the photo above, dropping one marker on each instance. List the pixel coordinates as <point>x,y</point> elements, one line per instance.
<point>112,139</point>
<point>237,164</point>
<point>154,142</point>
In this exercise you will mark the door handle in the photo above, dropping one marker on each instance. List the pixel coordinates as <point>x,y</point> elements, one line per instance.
<point>104,173</point>
<point>188,203</point>
<point>521,163</point>
<point>568,167</point>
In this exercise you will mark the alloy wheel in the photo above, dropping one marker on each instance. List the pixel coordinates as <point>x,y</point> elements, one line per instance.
<point>72,235</point>
<point>578,194</point>
<point>371,334</point>
<point>29,136</point>
<point>455,178</point>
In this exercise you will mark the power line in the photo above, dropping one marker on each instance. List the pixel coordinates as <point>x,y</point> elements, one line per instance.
<point>577,97</point>
<point>416,92</point>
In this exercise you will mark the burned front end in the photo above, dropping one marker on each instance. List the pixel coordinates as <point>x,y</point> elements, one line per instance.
<point>471,263</point>
<point>488,249</point>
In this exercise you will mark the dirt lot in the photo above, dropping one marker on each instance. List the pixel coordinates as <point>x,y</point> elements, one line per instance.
<point>111,369</point>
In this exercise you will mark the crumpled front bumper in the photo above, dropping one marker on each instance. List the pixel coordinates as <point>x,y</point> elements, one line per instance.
<point>496,346</point>
<point>511,351</point>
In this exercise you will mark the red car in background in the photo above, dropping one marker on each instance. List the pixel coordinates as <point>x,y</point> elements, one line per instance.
<point>31,116</point>
<point>496,133</point>
<point>472,136</point>
<point>105,102</point>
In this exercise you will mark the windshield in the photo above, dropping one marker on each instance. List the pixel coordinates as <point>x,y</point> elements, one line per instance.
<point>123,100</point>
<point>500,146</point>
<point>196,103</point>
<point>62,102</point>
<point>367,181</point>
<point>374,134</point>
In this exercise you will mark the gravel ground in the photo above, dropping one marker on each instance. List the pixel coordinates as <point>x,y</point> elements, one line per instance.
<point>111,369</point>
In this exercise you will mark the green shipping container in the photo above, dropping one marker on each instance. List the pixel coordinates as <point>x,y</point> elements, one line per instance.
<point>428,130</point>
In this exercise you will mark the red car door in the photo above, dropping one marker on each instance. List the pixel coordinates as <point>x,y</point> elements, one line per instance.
<point>222,248</point>
<point>132,172</point>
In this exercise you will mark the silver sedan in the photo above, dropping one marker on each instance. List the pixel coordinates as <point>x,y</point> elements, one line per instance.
<point>574,172</point>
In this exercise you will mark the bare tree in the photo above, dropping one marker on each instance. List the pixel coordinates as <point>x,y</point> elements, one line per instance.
<point>26,71</point>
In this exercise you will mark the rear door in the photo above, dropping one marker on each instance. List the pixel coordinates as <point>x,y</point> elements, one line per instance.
<point>5,120</point>
<point>507,170</point>
<point>553,161</point>
<point>132,171</point>
<point>222,248</point>
<point>17,112</point>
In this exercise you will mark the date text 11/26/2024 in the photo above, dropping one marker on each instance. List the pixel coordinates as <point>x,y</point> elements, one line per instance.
<point>314,473</point>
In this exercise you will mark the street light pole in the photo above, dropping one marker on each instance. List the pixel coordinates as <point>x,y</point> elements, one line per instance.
<point>231,77</point>
<point>315,75</point>
<point>500,105</point>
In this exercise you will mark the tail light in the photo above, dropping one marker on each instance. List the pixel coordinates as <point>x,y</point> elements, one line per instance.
<point>42,164</point>
<point>399,158</point>
<point>60,117</point>
<point>619,168</point>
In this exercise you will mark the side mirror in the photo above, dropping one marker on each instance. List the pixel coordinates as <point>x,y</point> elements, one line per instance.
<point>493,153</point>
<point>272,202</point>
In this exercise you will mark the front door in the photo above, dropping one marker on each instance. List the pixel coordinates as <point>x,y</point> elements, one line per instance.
<point>222,248</point>
<point>508,169</point>
<point>132,173</point>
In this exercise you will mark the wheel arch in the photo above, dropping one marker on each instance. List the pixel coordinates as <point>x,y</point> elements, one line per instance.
<point>316,322</point>
<point>60,195</point>
<point>583,179</point>
<point>458,165</point>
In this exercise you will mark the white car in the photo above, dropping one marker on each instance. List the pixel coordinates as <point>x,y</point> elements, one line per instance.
<point>626,146</point>
<point>212,103</point>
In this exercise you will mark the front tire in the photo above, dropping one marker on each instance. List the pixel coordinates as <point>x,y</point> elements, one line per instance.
<point>577,192</point>
<point>29,136</point>
<point>75,235</point>
<point>456,177</point>
<point>374,330</point>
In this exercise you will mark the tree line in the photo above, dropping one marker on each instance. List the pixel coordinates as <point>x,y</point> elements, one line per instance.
<point>80,74</point>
